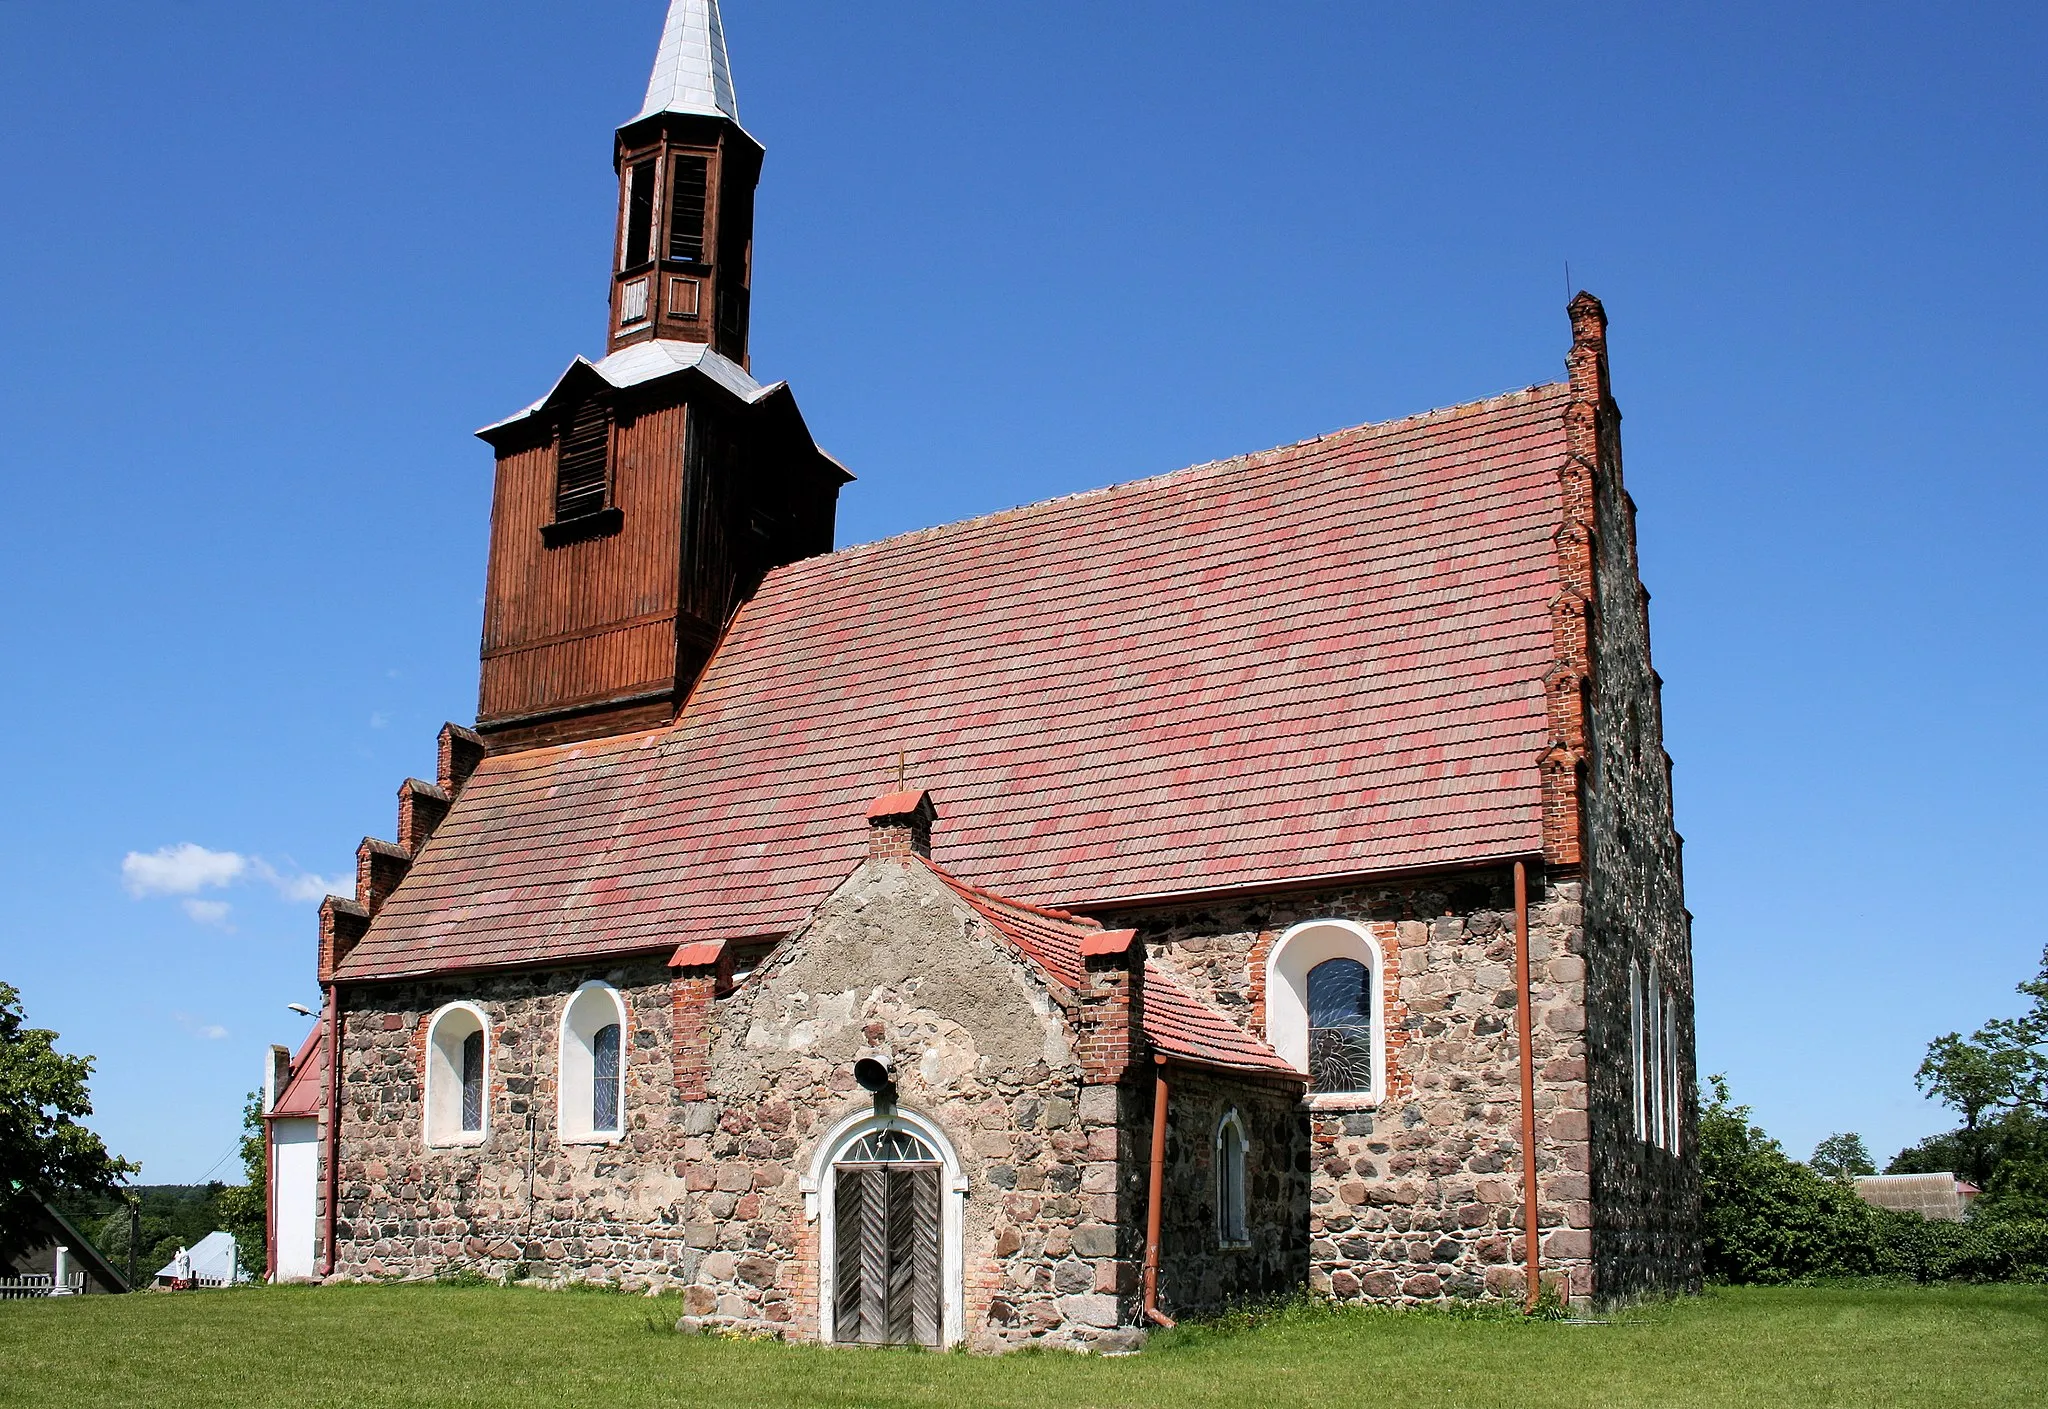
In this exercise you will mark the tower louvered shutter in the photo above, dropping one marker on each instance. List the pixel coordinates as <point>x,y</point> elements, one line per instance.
<point>582,462</point>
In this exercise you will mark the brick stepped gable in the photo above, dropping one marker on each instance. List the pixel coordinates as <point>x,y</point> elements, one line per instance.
<point>382,865</point>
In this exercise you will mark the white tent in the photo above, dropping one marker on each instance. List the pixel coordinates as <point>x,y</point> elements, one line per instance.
<point>213,1262</point>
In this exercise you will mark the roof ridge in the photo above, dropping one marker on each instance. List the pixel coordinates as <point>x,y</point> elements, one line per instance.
<point>1246,457</point>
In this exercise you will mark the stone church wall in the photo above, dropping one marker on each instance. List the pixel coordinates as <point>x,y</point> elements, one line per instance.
<point>1418,1198</point>
<point>1647,1234</point>
<point>708,1196</point>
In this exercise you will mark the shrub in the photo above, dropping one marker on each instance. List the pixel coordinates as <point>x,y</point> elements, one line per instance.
<point>1770,1219</point>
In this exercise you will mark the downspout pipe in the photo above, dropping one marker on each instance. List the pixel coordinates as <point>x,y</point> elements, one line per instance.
<point>1155,1195</point>
<point>1531,1228</point>
<point>333,1171</point>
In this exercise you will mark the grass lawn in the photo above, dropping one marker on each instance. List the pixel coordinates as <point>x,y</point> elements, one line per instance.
<point>429,1345</point>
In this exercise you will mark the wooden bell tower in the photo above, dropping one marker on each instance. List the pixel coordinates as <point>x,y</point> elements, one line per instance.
<point>641,501</point>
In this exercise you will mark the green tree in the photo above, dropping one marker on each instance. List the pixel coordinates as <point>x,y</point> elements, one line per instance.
<point>1769,1218</point>
<point>44,1151</point>
<point>245,1207</point>
<point>1996,1079</point>
<point>1842,1156</point>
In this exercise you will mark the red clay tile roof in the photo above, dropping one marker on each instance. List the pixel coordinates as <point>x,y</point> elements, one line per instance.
<point>1179,1024</point>
<point>1318,661</point>
<point>305,1091</point>
<point>1176,1022</point>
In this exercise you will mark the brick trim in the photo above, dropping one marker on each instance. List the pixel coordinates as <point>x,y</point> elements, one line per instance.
<point>1255,985</point>
<point>422,807</point>
<point>1568,681</point>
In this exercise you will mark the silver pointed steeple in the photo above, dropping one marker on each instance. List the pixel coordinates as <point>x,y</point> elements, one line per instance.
<point>691,72</point>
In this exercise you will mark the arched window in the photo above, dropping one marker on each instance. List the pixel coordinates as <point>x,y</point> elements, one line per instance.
<point>1231,1225</point>
<point>458,1094</point>
<point>591,1107</point>
<point>1324,1005</point>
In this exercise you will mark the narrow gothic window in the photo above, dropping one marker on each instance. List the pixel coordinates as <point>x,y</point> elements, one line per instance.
<point>1653,1053</point>
<point>639,213</point>
<point>604,1078</point>
<point>473,1081</point>
<point>1673,1102</point>
<point>686,211</point>
<point>582,460</point>
<point>1637,1076</point>
<point>1230,1211</point>
<point>1340,1026</point>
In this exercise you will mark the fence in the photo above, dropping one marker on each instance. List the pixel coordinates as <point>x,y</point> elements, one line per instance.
<point>41,1284</point>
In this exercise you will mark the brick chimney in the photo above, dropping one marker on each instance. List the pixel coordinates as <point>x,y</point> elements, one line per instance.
<point>900,824</point>
<point>1112,994</point>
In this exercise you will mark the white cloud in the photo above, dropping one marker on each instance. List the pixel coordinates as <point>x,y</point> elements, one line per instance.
<point>187,869</point>
<point>210,912</point>
<point>211,1032</point>
<point>180,870</point>
<point>378,719</point>
<point>304,886</point>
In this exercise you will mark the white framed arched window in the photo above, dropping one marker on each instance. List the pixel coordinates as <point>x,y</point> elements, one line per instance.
<point>591,1091</point>
<point>1232,1228</point>
<point>900,1159</point>
<point>458,1087</point>
<point>1325,1008</point>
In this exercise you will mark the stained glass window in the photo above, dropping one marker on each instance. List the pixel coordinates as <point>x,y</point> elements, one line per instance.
<point>1340,1026</point>
<point>604,1078</point>
<point>889,1146</point>
<point>473,1081</point>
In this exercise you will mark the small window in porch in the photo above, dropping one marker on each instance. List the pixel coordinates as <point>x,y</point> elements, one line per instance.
<point>1231,1225</point>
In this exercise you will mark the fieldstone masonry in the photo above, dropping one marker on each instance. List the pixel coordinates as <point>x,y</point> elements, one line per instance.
<point>1418,1197</point>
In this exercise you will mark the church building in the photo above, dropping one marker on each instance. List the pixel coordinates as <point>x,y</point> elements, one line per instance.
<point>1028,930</point>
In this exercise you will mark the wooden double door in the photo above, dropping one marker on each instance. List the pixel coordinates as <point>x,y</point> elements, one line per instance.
<point>886,1277</point>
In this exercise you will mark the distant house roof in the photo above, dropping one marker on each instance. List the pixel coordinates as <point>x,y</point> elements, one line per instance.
<point>1942,1197</point>
<point>1317,662</point>
<point>213,1258</point>
<point>59,1229</point>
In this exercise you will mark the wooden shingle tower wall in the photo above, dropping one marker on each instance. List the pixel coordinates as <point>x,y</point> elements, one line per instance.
<point>643,499</point>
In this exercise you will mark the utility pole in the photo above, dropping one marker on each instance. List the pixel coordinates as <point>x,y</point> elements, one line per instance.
<point>134,1232</point>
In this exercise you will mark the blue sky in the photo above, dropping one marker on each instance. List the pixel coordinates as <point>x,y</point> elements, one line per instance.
<point>265,267</point>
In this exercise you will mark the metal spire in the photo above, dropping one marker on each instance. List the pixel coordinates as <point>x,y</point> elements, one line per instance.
<point>691,72</point>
